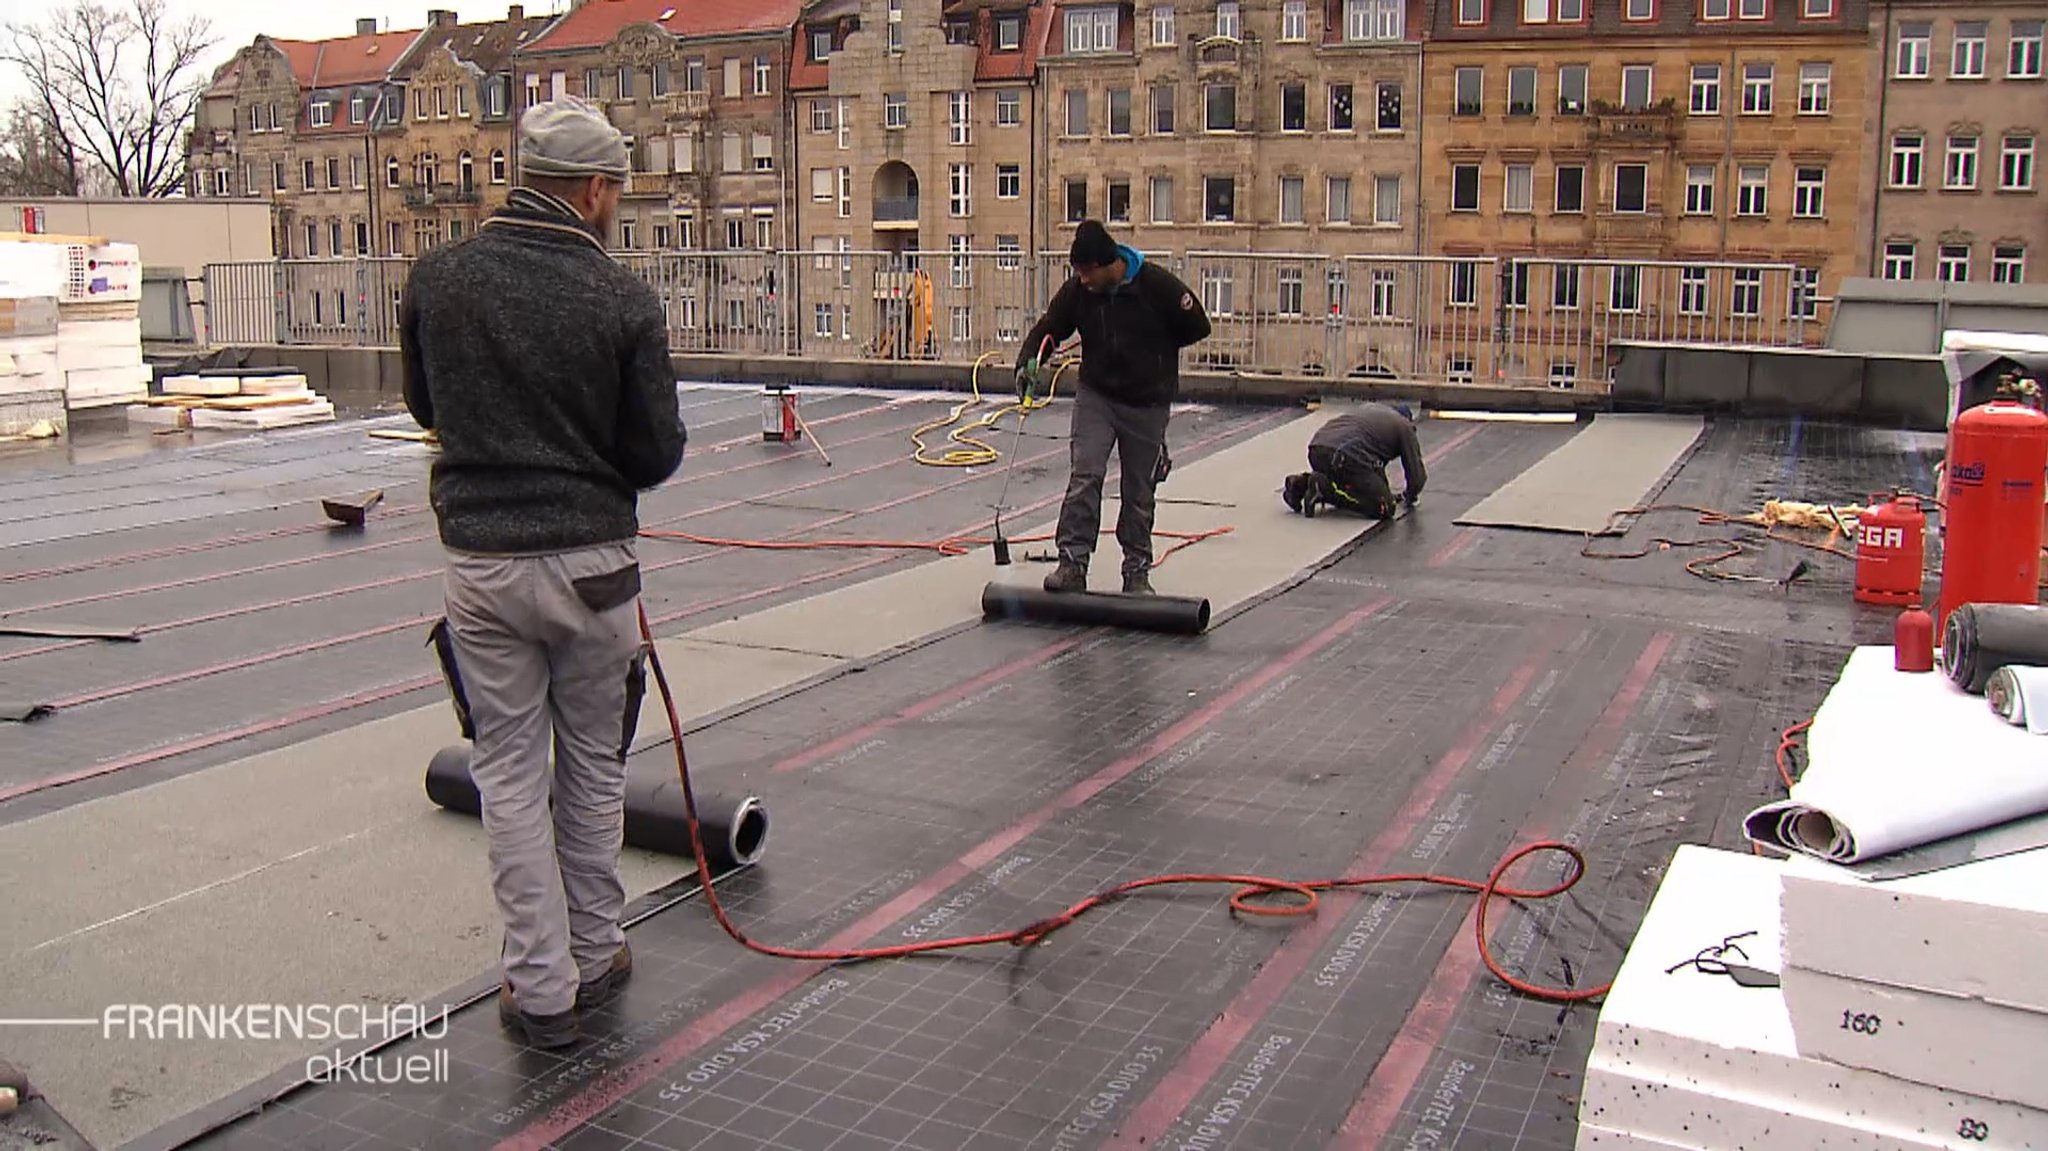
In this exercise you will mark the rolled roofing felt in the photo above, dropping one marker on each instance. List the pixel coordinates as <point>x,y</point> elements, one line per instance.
<point>2019,695</point>
<point>1165,613</point>
<point>1980,638</point>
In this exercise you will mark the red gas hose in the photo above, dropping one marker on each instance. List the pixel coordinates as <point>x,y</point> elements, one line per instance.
<point>1251,896</point>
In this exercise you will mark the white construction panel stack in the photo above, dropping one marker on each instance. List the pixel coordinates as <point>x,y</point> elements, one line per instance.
<point>253,398</point>
<point>98,288</point>
<point>1686,1060</point>
<point>31,389</point>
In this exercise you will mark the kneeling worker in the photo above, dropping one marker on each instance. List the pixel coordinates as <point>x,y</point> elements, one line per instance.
<point>1134,318</point>
<point>1348,458</point>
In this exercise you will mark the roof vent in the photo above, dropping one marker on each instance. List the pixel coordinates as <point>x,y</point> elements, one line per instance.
<point>367,26</point>
<point>667,14</point>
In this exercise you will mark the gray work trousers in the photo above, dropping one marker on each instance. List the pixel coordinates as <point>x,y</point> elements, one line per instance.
<point>547,646</point>
<point>1139,436</point>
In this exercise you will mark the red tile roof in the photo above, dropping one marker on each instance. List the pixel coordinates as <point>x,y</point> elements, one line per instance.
<point>355,59</point>
<point>806,75</point>
<point>595,23</point>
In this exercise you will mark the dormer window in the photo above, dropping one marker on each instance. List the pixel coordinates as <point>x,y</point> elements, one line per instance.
<point>1009,33</point>
<point>358,108</point>
<point>1091,30</point>
<point>959,32</point>
<point>821,45</point>
<point>322,113</point>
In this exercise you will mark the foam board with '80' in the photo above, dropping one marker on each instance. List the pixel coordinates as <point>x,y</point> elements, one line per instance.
<point>1697,1060</point>
<point>1977,930</point>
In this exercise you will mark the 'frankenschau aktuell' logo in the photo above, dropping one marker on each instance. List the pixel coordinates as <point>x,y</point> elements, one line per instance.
<point>344,1023</point>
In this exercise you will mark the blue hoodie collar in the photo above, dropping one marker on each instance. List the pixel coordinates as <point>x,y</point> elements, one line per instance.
<point>1133,260</point>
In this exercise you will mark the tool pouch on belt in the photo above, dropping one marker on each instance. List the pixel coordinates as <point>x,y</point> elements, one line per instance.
<point>444,648</point>
<point>636,691</point>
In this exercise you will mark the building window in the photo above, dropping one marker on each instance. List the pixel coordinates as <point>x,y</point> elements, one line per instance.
<point>1571,189</point>
<point>1805,304</point>
<point>895,21</point>
<point>1564,287</point>
<point>1229,21</point>
<point>2023,54</point>
<point>845,193</point>
<point>1914,56</point>
<point>1471,11</point>
<point>1966,59</point>
<point>1294,21</point>
<point>1521,91</point>
<point>895,111</point>
<point>1706,90</point>
<point>1757,81</point>
<point>960,197</point>
<point>730,155</point>
<point>1388,113</point>
<point>1959,169</point>
<point>821,116</point>
<point>821,316</point>
<point>2016,164</point>
<point>1547,11</point>
<point>1369,20</point>
<point>1746,297</point>
<point>764,152</point>
<point>1898,260</point>
<point>1631,188</point>
<point>844,122</point>
<point>390,173</point>
<point>1636,87</point>
<point>2008,264</point>
<point>1464,187</point>
<point>1816,89</point>
<point>1293,296</point>
<point>1809,193</point>
<point>322,114</point>
<point>1291,196</point>
<point>1337,198</point>
<point>1464,285</point>
<point>822,185</point>
<point>1817,9</point>
<point>1640,10</point>
<point>1219,199</point>
<point>1469,90</point>
<point>1162,199</point>
<point>764,76</point>
<point>1162,26</point>
<point>1383,293</point>
<point>1077,112</point>
<point>1163,97</point>
<point>1564,374</point>
<point>1009,109</point>
<point>1220,104</point>
<point>1386,201</point>
<point>1293,108</point>
<point>1752,188</point>
<point>1009,253</point>
<point>1077,201</point>
<point>333,173</point>
<point>959,118</point>
<point>1692,291</point>
<point>1340,115</point>
<point>1009,181</point>
<point>1216,291</point>
<point>1009,33</point>
<point>1571,90</point>
<point>1952,264</point>
<point>1119,111</point>
<point>1906,150</point>
<point>1091,30</point>
<point>821,45</point>
<point>961,264</point>
<point>1520,189</point>
<point>1118,208</point>
<point>1752,9</point>
<point>1625,288</point>
<point>1699,190</point>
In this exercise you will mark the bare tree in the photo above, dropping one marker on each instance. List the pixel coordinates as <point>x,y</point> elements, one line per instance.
<point>35,160</point>
<point>116,87</point>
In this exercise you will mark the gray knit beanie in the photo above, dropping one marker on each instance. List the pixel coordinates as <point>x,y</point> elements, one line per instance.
<point>567,137</point>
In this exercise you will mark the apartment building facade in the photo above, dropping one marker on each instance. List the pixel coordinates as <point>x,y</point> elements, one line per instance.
<point>1642,168</point>
<point>1290,128</point>
<point>442,162</point>
<point>1957,160</point>
<point>915,132</point>
<point>698,89</point>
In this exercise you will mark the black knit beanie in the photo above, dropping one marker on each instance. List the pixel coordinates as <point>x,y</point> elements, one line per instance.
<point>1092,246</point>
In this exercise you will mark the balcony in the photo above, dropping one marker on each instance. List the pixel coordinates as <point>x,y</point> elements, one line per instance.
<point>684,105</point>
<point>436,195</point>
<point>896,213</point>
<point>1652,126</point>
<point>647,184</point>
<point>1632,228</point>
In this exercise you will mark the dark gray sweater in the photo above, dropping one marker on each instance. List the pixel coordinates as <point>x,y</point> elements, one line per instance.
<point>543,365</point>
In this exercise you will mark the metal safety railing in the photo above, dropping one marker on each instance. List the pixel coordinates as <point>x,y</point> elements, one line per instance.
<point>1520,322</point>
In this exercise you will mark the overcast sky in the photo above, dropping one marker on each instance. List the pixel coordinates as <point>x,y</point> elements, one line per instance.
<point>236,22</point>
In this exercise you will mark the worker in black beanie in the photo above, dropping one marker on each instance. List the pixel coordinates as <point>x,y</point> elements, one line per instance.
<point>1134,317</point>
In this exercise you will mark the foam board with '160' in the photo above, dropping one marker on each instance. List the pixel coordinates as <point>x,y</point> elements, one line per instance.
<point>1696,1060</point>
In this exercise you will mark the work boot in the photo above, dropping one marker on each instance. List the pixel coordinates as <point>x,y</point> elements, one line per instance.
<point>1069,576</point>
<point>1137,583</point>
<point>1295,491</point>
<point>1164,467</point>
<point>595,993</point>
<point>547,1032</point>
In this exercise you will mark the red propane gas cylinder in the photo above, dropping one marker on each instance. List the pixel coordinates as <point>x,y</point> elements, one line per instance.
<point>1891,552</point>
<point>1991,550</point>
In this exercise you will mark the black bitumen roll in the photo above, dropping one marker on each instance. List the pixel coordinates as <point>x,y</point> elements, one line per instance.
<point>734,830</point>
<point>1177,614</point>
<point>1980,638</point>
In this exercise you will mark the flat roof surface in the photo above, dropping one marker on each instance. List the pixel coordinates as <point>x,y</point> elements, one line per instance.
<point>1428,699</point>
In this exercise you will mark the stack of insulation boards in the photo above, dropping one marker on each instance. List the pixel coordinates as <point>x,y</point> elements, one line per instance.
<point>235,398</point>
<point>1907,1014</point>
<point>98,289</point>
<point>31,388</point>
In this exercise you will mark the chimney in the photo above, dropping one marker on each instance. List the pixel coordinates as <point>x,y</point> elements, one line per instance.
<point>516,13</point>
<point>366,26</point>
<point>441,17</point>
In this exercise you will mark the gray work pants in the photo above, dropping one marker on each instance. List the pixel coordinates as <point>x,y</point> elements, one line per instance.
<point>550,646</point>
<point>1139,436</point>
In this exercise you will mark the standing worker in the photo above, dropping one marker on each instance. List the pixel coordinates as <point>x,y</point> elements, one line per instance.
<point>544,366</point>
<point>1134,318</point>
<point>1348,458</point>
